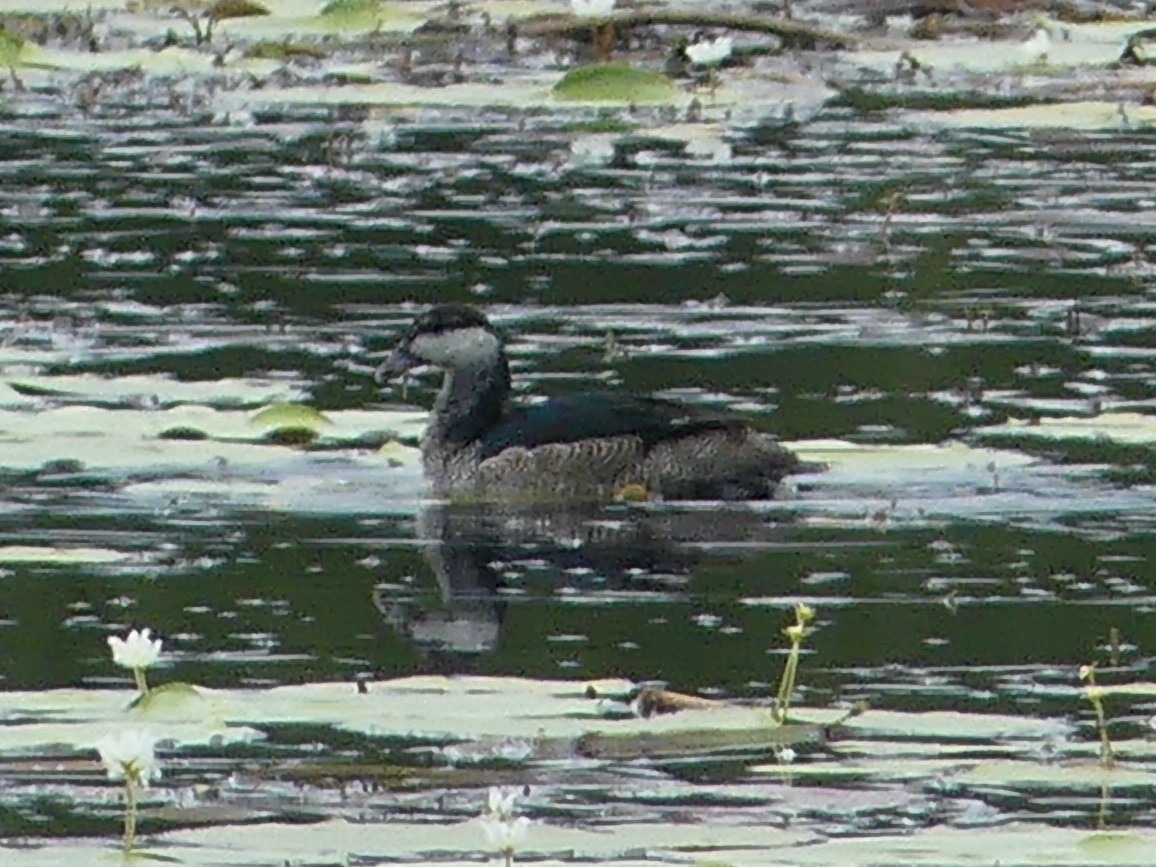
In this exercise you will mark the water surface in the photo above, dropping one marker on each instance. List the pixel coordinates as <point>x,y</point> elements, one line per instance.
<point>843,279</point>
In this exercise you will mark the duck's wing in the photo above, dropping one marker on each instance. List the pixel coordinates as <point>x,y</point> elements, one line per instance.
<point>603,415</point>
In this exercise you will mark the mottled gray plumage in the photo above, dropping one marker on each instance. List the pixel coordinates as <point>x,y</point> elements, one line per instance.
<point>588,447</point>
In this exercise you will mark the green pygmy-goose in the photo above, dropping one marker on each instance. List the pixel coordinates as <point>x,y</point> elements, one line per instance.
<point>590,446</point>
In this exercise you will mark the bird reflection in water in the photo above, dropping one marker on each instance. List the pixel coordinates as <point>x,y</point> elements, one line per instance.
<point>478,553</point>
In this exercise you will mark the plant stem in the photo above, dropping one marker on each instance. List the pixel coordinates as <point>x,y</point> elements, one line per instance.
<point>1107,753</point>
<point>1095,696</point>
<point>787,684</point>
<point>138,675</point>
<point>129,811</point>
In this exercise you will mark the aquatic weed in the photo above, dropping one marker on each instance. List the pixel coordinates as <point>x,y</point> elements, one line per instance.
<point>796,632</point>
<point>1095,696</point>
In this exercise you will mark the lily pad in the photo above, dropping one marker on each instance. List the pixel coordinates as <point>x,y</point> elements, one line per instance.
<point>414,843</point>
<point>886,770</point>
<point>615,82</point>
<point>338,841</point>
<point>33,738</point>
<point>360,15</point>
<point>1050,48</point>
<point>351,7</point>
<point>840,455</point>
<point>224,9</point>
<point>1067,775</point>
<point>79,427</point>
<point>1083,115</point>
<point>290,416</point>
<point>1122,427</point>
<point>473,707</point>
<point>62,556</point>
<point>35,389</point>
<point>1019,843</point>
<point>173,60</point>
<point>162,390</point>
<point>285,50</point>
<point>171,700</point>
<point>11,48</point>
<point>698,742</point>
<point>944,725</point>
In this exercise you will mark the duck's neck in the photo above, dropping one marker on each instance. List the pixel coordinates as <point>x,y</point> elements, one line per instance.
<point>471,401</point>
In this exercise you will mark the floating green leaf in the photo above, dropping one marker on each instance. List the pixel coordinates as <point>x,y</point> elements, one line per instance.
<point>1008,773</point>
<point>279,416</point>
<point>944,726</point>
<point>169,698</point>
<point>48,554</point>
<point>395,453</point>
<point>290,424</point>
<point>144,389</point>
<point>1121,427</point>
<point>1083,115</point>
<point>223,9</point>
<point>1042,53</point>
<point>269,50</point>
<point>30,389</point>
<point>696,742</point>
<point>11,47</point>
<point>290,436</point>
<point>602,125</point>
<point>615,82</point>
<point>189,434</point>
<point>1108,841</point>
<point>335,8</point>
<point>370,15</point>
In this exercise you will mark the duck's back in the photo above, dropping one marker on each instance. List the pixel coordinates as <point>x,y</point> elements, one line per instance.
<point>588,416</point>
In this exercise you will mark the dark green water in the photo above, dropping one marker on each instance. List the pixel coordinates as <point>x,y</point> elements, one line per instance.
<point>774,282</point>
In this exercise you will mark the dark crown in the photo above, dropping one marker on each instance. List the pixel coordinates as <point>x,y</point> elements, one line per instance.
<point>448,317</point>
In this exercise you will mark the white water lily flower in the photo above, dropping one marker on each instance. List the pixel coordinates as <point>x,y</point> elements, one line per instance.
<point>711,52</point>
<point>138,650</point>
<point>1036,48</point>
<point>592,8</point>
<point>506,835</point>
<point>130,755</point>
<point>502,800</point>
<point>787,755</point>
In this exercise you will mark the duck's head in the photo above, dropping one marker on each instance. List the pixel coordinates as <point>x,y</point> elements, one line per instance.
<point>450,336</point>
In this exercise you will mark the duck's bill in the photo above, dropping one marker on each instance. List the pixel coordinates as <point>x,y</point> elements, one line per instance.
<point>399,362</point>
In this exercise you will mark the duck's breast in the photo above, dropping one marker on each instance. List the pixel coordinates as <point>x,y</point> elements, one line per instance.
<point>450,471</point>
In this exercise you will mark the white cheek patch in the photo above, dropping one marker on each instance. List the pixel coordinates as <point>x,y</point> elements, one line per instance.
<point>460,347</point>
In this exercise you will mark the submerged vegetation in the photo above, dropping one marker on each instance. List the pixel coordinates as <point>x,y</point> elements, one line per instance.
<point>795,633</point>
